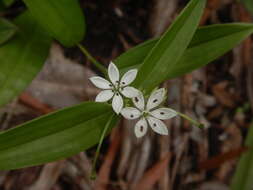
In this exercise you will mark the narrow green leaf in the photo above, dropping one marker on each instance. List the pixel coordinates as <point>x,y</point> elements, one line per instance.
<point>170,47</point>
<point>248,4</point>
<point>244,171</point>
<point>22,57</point>
<point>62,19</point>
<point>208,43</point>
<point>7,30</point>
<point>54,136</point>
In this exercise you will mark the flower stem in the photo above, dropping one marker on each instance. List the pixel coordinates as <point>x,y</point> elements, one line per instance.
<point>194,122</point>
<point>92,59</point>
<point>93,174</point>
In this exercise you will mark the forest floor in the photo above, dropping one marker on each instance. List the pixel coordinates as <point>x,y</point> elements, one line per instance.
<point>219,95</point>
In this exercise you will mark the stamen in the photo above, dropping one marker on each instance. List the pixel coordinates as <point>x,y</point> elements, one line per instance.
<point>155,100</point>
<point>154,124</point>
<point>132,116</point>
<point>162,113</point>
<point>136,99</point>
<point>141,129</point>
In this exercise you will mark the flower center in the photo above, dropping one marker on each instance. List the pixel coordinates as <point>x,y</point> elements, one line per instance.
<point>145,113</point>
<point>116,87</point>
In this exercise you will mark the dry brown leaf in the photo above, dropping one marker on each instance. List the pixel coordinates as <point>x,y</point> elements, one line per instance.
<point>34,103</point>
<point>220,91</point>
<point>153,174</point>
<point>104,173</point>
<point>218,160</point>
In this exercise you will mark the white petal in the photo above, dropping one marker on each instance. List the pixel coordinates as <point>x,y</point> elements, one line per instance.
<point>104,96</point>
<point>113,73</point>
<point>157,125</point>
<point>117,103</point>
<point>130,92</point>
<point>139,101</point>
<point>128,77</point>
<point>140,128</point>
<point>163,113</point>
<point>130,113</point>
<point>101,83</point>
<point>156,98</point>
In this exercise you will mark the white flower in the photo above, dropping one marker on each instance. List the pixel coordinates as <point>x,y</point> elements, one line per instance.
<point>116,87</point>
<point>149,114</point>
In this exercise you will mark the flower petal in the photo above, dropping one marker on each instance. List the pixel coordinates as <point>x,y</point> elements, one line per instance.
<point>104,96</point>
<point>117,103</point>
<point>163,113</point>
<point>156,98</point>
<point>130,113</point>
<point>157,125</point>
<point>128,77</point>
<point>130,92</point>
<point>113,73</point>
<point>101,83</point>
<point>139,101</point>
<point>141,128</point>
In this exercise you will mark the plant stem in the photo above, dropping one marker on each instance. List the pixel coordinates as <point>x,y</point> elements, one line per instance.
<point>92,59</point>
<point>194,122</point>
<point>93,171</point>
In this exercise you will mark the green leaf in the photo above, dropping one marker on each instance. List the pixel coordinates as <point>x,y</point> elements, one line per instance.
<point>208,43</point>
<point>7,30</point>
<point>54,136</point>
<point>22,57</point>
<point>62,19</point>
<point>170,47</point>
<point>244,171</point>
<point>249,5</point>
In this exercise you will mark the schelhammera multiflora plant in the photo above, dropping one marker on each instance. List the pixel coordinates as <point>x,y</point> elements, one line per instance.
<point>130,88</point>
<point>150,113</point>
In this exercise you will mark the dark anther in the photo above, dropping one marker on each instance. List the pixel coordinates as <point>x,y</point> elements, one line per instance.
<point>136,99</point>
<point>162,113</point>
<point>123,83</point>
<point>154,125</point>
<point>117,94</point>
<point>110,85</point>
<point>141,128</point>
<point>155,100</point>
<point>131,116</point>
